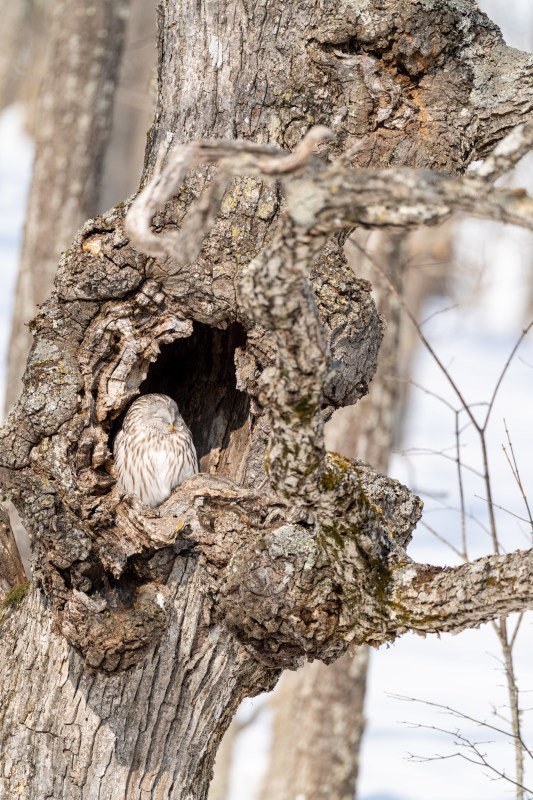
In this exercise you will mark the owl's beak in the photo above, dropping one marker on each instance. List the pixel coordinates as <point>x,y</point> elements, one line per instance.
<point>172,427</point>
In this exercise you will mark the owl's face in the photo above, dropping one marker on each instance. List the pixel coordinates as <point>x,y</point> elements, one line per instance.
<point>157,412</point>
<point>166,417</point>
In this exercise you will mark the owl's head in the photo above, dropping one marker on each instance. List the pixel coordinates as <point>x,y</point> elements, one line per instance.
<point>156,411</point>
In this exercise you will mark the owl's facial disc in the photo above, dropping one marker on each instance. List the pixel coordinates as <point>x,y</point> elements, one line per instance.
<point>163,421</point>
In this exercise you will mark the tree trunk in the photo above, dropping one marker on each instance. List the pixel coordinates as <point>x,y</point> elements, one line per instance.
<point>72,132</point>
<point>148,627</point>
<point>319,712</point>
<point>23,40</point>
<point>321,708</point>
<point>134,105</point>
<point>220,782</point>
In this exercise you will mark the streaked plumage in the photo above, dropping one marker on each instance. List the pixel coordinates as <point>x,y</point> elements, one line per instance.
<point>153,451</point>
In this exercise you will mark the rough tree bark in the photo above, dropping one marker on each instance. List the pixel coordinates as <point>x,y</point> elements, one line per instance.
<point>72,132</point>
<point>72,125</point>
<point>123,667</point>
<point>319,719</point>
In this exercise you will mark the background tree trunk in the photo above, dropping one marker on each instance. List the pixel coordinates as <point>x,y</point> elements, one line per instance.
<point>220,783</point>
<point>72,133</point>
<point>134,105</point>
<point>323,708</point>
<point>24,38</point>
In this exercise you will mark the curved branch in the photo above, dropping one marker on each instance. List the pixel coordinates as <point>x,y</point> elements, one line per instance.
<point>325,197</point>
<point>234,157</point>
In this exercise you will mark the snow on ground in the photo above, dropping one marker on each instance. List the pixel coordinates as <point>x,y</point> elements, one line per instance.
<point>464,671</point>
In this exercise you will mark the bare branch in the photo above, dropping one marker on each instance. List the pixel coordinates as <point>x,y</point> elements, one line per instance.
<point>507,153</point>
<point>235,157</point>
<point>428,599</point>
<point>506,366</point>
<point>398,199</point>
<point>322,197</point>
<point>478,757</point>
<point>511,460</point>
<point>454,712</point>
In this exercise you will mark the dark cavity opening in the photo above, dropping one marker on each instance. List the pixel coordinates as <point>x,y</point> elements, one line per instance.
<point>199,374</point>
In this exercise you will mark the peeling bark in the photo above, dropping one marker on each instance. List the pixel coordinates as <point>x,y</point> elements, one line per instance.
<point>165,619</point>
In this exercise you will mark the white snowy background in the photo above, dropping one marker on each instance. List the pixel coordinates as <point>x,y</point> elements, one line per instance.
<point>495,265</point>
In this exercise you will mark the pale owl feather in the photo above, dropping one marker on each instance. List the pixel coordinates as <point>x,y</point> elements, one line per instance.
<point>153,451</point>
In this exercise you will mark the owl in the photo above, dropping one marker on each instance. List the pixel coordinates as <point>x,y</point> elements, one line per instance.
<point>153,451</point>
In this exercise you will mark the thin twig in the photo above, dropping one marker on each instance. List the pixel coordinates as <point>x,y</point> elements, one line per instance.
<point>516,473</point>
<point>453,712</point>
<point>442,539</point>
<point>514,702</point>
<point>502,508</point>
<point>463,741</point>
<point>438,313</point>
<point>428,452</point>
<point>461,487</point>
<point>506,366</point>
<point>422,336</point>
